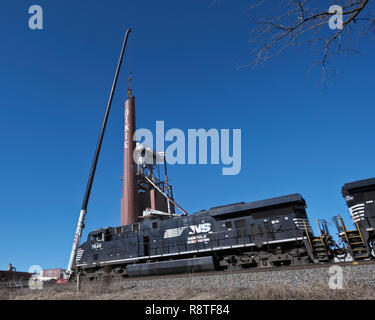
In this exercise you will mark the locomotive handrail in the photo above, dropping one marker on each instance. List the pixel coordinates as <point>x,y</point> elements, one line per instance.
<point>307,234</point>
<point>180,248</point>
<point>359,231</point>
<point>343,228</point>
<point>219,240</point>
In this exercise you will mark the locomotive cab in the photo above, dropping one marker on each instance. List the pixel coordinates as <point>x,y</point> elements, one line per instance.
<point>99,235</point>
<point>360,199</point>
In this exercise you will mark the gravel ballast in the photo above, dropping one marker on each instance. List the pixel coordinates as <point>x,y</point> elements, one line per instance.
<point>358,282</point>
<point>361,275</point>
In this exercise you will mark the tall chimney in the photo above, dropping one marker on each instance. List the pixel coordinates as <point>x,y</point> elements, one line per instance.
<point>129,201</point>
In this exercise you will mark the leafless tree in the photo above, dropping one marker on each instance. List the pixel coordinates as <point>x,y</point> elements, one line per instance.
<point>294,22</point>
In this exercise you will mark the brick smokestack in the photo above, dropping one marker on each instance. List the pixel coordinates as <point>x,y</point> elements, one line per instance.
<point>129,201</point>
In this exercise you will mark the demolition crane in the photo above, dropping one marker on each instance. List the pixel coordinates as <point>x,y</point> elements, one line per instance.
<point>80,225</point>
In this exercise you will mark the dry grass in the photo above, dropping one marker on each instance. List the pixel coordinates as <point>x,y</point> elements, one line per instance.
<point>266,291</point>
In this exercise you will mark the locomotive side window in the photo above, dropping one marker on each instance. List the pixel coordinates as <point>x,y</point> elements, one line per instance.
<point>154,225</point>
<point>136,227</point>
<point>97,237</point>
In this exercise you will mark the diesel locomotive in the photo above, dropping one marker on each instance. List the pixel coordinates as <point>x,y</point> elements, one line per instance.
<point>360,198</point>
<point>271,232</point>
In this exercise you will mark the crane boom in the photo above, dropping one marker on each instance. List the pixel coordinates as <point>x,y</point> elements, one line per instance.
<point>80,225</point>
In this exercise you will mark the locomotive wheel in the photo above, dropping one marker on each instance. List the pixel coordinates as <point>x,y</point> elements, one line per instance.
<point>265,264</point>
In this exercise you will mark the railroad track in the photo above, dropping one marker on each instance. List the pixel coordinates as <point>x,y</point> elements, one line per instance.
<point>249,270</point>
<point>231,272</point>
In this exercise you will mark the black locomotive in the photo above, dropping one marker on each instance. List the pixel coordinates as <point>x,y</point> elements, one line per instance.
<point>360,198</point>
<point>272,232</point>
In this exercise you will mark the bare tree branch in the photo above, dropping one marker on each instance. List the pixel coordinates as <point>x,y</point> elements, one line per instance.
<point>296,22</point>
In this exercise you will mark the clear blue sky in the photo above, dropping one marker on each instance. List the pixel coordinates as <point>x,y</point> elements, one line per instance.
<point>54,85</point>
